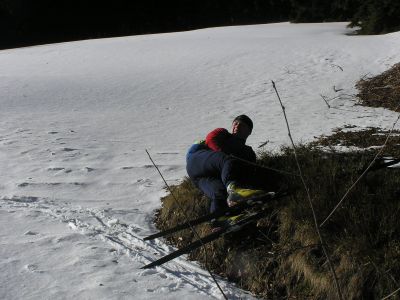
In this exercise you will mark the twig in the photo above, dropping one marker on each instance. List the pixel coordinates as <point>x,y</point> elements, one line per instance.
<point>383,87</point>
<point>288,71</point>
<point>191,227</point>
<point>392,294</point>
<point>326,101</point>
<point>365,76</point>
<point>333,65</point>
<point>352,96</point>
<point>291,250</point>
<point>379,272</point>
<point>263,144</point>
<point>263,167</point>
<point>337,90</point>
<point>309,198</point>
<point>365,171</point>
<point>273,214</point>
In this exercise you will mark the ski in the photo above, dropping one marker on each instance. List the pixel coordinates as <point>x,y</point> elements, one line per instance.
<point>386,163</point>
<point>231,211</point>
<point>247,219</point>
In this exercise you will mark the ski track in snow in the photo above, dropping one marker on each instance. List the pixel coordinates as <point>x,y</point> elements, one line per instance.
<point>127,240</point>
<point>56,167</point>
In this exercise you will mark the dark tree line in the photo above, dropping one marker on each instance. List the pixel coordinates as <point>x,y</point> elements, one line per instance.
<point>323,11</point>
<point>378,16</point>
<point>25,22</point>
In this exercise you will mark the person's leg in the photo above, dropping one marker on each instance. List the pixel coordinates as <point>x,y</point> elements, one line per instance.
<point>208,163</point>
<point>262,178</point>
<point>211,172</point>
<point>214,189</point>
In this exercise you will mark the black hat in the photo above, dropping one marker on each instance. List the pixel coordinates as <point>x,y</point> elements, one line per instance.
<point>245,119</point>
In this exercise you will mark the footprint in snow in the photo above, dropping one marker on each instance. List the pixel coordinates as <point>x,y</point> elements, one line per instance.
<point>33,268</point>
<point>30,233</point>
<point>127,168</point>
<point>173,286</point>
<point>68,149</point>
<point>148,166</point>
<point>26,151</point>
<point>51,184</point>
<point>145,182</point>
<point>22,199</point>
<point>171,168</point>
<point>21,130</point>
<point>134,167</point>
<point>55,169</point>
<point>167,153</point>
<point>148,272</point>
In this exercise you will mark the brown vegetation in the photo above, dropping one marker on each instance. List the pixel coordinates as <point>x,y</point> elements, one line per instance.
<point>362,139</point>
<point>382,90</point>
<point>280,257</point>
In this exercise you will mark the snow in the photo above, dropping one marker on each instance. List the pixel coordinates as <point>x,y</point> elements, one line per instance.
<point>77,190</point>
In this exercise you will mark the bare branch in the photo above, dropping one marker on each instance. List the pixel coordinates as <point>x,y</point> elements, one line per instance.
<point>337,66</point>
<point>326,101</point>
<point>309,199</point>
<point>263,144</point>
<point>336,90</point>
<point>392,294</point>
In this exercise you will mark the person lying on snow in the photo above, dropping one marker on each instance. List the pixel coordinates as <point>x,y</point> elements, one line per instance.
<point>219,166</point>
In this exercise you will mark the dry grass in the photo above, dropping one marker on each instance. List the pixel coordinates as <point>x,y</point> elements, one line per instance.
<point>280,256</point>
<point>362,139</point>
<point>382,90</point>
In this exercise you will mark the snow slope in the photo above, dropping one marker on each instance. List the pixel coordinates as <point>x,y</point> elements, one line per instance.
<point>77,189</point>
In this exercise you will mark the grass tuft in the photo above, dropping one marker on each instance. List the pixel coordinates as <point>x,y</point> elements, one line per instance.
<point>382,90</point>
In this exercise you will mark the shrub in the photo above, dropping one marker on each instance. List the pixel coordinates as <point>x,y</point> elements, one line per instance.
<point>377,16</point>
<point>382,90</point>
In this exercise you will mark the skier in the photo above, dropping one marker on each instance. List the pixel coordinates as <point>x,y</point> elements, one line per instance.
<point>216,166</point>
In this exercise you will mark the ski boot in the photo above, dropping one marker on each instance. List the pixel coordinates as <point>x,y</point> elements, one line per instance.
<point>224,221</point>
<point>238,194</point>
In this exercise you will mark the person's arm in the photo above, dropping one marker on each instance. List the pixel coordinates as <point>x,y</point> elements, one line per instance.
<point>217,138</point>
<point>246,153</point>
<point>251,154</point>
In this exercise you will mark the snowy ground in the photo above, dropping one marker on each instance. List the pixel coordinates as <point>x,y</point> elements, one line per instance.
<point>77,190</point>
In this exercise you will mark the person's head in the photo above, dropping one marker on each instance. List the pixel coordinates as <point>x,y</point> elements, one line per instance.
<point>242,126</point>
